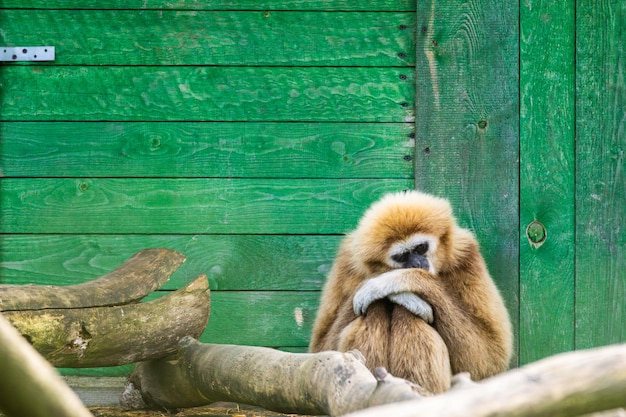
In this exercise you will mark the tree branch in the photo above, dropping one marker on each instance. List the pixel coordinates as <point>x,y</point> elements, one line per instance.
<point>145,272</point>
<point>29,385</point>
<point>116,335</point>
<point>322,383</point>
<point>566,385</point>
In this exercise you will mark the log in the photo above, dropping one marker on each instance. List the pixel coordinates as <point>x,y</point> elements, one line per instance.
<point>566,385</point>
<point>143,273</point>
<point>116,335</point>
<point>29,385</point>
<point>302,383</point>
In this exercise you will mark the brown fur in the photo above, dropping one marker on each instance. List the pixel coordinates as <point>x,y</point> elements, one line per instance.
<point>471,331</point>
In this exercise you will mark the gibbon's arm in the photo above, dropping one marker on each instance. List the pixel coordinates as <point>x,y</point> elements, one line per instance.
<point>473,323</point>
<point>332,298</point>
<point>398,292</point>
<point>414,304</point>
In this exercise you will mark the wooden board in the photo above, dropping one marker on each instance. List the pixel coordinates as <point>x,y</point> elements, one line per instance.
<point>187,206</point>
<point>207,93</point>
<point>125,37</point>
<point>467,123</point>
<point>547,177</point>
<point>231,262</point>
<point>322,5</point>
<point>600,169</point>
<point>251,150</point>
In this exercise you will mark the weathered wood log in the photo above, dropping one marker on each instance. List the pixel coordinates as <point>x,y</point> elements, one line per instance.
<point>143,273</point>
<point>566,385</point>
<point>570,384</point>
<point>30,386</point>
<point>116,335</point>
<point>304,383</point>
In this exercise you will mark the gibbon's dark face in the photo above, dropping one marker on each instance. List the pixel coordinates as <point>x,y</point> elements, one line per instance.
<point>414,252</point>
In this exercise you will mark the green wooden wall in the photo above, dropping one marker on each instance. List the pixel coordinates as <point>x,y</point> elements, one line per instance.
<point>251,135</point>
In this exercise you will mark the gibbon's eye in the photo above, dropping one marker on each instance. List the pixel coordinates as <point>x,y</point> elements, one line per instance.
<point>401,258</point>
<point>421,249</point>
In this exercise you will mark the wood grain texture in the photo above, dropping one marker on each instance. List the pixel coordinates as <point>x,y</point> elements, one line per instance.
<point>231,262</point>
<point>600,169</point>
<point>467,124</point>
<point>127,37</point>
<point>251,150</point>
<point>379,5</point>
<point>198,206</point>
<point>207,93</point>
<point>547,176</point>
<point>263,318</point>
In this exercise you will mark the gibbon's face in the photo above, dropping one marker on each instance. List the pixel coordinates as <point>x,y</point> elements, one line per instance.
<point>404,230</point>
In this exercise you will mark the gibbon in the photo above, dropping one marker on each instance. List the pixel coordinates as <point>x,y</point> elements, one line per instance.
<point>410,290</point>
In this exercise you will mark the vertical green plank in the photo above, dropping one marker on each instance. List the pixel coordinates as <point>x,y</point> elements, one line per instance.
<point>600,172</point>
<point>547,178</point>
<point>467,123</point>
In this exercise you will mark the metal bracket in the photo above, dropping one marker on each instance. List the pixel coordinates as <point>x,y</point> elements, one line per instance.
<point>26,53</point>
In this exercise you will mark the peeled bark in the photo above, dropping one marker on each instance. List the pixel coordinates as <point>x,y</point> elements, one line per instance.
<point>116,335</point>
<point>30,386</point>
<point>145,272</point>
<point>322,383</point>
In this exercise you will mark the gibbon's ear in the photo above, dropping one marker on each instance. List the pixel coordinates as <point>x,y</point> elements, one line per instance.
<point>464,253</point>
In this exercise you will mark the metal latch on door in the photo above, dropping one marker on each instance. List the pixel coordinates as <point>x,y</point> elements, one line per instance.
<point>26,53</point>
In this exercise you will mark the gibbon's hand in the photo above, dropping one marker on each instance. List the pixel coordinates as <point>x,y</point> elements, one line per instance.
<point>415,304</point>
<point>389,285</point>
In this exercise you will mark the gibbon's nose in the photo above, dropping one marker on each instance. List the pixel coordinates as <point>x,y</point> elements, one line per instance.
<point>418,261</point>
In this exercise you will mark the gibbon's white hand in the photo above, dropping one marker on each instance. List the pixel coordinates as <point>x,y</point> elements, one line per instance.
<point>415,304</point>
<point>388,286</point>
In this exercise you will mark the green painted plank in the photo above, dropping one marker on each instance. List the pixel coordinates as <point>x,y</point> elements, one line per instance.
<point>269,150</point>
<point>263,318</point>
<point>467,123</point>
<point>231,262</point>
<point>207,93</point>
<point>183,206</point>
<point>600,168</point>
<point>547,178</point>
<point>130,37</point>
<point>382,5</point>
